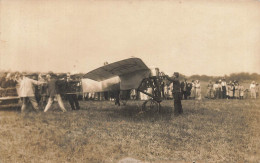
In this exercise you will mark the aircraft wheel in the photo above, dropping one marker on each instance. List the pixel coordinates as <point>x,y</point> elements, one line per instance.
<point>124,102</point>
<point>151,105</point>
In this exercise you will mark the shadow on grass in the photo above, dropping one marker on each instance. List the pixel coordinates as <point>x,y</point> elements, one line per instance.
<point>132,112</point>
<point>135,114</point>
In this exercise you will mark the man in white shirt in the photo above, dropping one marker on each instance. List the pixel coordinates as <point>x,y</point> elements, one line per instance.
<point>27,92</point>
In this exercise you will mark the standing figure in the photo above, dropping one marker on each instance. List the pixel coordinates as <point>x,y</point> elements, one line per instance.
<point>18,79</point>
<point>184,89</point>
<point>189,86</point>
<point>253,90</point>
<point>215,89</point>
<point>71,92</point>
<point>27,92</point>
<point>198,90</point>
<point>236,90</point>
<point>193,90</point>
<point>42,91</point>
<point>210,94</point>
<point>257,90</point>
<point>53,92</point>
<point>117,97</point>
<point>230,90</point>
<point>162,86</point>
<point>5,81</point>
<point>241,91</point>
<point>224,88</point>
<point>34,76</point>
<point>219,90</point>
<point>133,94</point>
<point>2,79</point>
<point>176,93</point>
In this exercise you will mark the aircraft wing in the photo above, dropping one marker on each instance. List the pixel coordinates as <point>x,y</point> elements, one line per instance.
<point>119,68</point>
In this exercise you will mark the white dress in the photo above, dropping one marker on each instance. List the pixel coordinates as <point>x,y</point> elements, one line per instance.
<point>253,90</point>
<point>193,91</point>
<point>198,91</point>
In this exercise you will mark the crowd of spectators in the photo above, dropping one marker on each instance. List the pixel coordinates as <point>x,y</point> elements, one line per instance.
<point>219,89</point>
<point>231,90</point>
<point>51,87</point>
<point>41,89</point>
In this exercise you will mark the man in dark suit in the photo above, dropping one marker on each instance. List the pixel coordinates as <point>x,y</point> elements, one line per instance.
<point>189,86</point>
<point>184,86</point>
<point>5,81</point>
<point>176,91</point>
<point>71,92</point>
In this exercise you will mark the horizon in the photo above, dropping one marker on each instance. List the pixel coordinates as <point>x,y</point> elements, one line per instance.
<point>10,71</point>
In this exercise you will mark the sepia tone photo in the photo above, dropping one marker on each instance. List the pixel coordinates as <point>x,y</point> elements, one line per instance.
<point>129,81</point>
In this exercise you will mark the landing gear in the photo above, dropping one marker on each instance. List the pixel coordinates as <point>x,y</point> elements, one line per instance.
<point>124,102</point>
<point>151,105</point>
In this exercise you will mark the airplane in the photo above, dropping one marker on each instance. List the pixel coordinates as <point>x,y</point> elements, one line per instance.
<point>127,74</point>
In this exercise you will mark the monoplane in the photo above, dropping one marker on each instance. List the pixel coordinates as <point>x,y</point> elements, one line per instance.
<point>132,74</point>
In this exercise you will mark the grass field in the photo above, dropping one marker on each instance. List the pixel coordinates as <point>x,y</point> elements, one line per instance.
<point>209,131</point>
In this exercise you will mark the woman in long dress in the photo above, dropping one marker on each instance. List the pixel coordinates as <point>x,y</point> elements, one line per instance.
<point>236,90</point>
<point>198,90</point>
<point>210,90</point>
<point>253,90</point>
<point>215,89</point>
<point>230,90</point>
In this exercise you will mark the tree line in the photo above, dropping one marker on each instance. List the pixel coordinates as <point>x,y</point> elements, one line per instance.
<point>242,76</point>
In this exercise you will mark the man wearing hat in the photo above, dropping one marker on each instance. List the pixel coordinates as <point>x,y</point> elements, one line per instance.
<point>27,91</point>
<point>6,81</point>
<point>176,91</point>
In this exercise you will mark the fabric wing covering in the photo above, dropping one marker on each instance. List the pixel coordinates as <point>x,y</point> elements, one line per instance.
<point>133,80</point>
<point>130,71</point>
<point>91,86</point>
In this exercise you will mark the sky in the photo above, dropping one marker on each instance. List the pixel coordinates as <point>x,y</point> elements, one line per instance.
<point>214,37</point>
